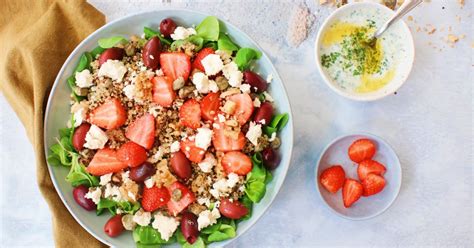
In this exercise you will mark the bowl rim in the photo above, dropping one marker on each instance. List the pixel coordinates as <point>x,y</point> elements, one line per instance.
<point>275,74</point>
<point>316,176</point>
<point>356,96</point>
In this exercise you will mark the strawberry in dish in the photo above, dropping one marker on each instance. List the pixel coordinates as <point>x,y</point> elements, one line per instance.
<point>172,134</point>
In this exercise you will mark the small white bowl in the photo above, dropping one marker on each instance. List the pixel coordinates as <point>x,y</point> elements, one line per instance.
<point>366,207</point>
<point>403,68</point>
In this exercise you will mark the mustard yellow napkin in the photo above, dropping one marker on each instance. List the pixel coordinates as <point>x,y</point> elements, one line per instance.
<point>36,36</point>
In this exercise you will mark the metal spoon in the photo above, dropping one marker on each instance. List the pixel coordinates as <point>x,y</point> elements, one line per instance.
<point>406,7</point>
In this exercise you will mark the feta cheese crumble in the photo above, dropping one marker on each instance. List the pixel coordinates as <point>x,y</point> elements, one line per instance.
<point>84,79</point>
<point>129,91</point>
<point>113,69</point>
<point>105,179</point>
<point>127,222</point>
<point>165,225</point>
<point>212,64</point>
<point>256,102</point>
<point>149,183</point>
<point>269,78</point>
<point>142,218</point>
<point>174,147</point>
<point>201,82</point>
<point>79,111</point>
<point>268,97</point>
<point>254,132</point>
<point>207,218</point>
<point>94,195</point>
<point>245,88</point>
<point>95,138</point>
<point>181,33</point>
<point>112,192</point>
<point>203,138</point>
<point>233,75</point>
<point>208,163</point>
<point>224,186</point>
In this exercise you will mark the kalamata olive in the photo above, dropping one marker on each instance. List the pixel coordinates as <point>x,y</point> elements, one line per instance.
<point>113,53</point>
<point>79,136</point>
<point>141,173</point>
<point>258,83</point>
<point>181,165</point>
<point>271,159</point>
<point>151,53</point>
<point>79,194</point>
<point>264,114</point>
<point>114,226</point>
<point>189,227</point>
<point>232,209</point>
<point>167,27</point>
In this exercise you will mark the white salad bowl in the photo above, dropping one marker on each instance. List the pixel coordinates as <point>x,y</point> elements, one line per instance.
<point>403,67</point>
<point>366,207</point>
<point>58,113</point>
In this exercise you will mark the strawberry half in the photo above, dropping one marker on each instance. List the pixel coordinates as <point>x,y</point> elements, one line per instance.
<point>200,56</point>
<point>361,150</point>
<point>351,192</point>
<point>142,131</point>
<point>109,115</point>
<point>192,152</point>
<point>333,178</point>
<point>190,114</point>
<point>154,198</point>
<point>105,161</point>
<point>370,166</point>
<point>163,92</point>
<point>184,197</point>
<point>372,184</point>
<point>175,65</point>
<point>236,162</point>
<point>210,106</point>
<point>244,107</point>
<point>225,143</point>
<point>132,154</point>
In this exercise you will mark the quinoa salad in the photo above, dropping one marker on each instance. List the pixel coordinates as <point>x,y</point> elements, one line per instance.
<point>172,133</point>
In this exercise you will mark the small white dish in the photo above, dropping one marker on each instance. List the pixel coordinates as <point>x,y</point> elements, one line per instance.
<point>366,207</point>
<point>404,43</point>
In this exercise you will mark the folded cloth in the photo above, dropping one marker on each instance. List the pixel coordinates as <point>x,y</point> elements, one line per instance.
<point>35,39</point>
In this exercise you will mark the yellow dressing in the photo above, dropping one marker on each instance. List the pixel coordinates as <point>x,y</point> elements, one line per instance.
<point>373,82</point>
<point>337,32</point>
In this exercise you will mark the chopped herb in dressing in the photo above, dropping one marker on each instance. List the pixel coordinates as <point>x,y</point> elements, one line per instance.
<point>356,56</point>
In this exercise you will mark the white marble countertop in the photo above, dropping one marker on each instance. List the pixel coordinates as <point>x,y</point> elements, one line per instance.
<point>429,123</point>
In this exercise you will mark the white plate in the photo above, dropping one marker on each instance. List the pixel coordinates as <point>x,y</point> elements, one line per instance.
<point>57,114</point>
<point>366,207</point>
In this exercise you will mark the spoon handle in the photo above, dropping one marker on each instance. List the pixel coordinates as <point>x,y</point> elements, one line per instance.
<point>406,7</point>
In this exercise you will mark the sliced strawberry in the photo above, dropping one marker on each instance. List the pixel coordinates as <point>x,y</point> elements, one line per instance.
<point>142,131</point>
<point>200,56</point>
<point>104,162</point>
<point>154,198</point>
<point>163,92</point>
<point>333,178</point>
<point>351,192</point>
<point>131,154</point>
<point>370,166</point>
<point>361,150</point>
<point>181,198</point>
<point>175,65</point>
<point>192,152</point>
<point>210,106</point>
<point>373,184</point>
<point>190,114</point>
<point>109,115</point>
<point>237,162</point>
<point>222,142</point>
<point>244,107</point>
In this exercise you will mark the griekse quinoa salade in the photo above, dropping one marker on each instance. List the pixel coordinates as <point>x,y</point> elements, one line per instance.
<point>173,134</point>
